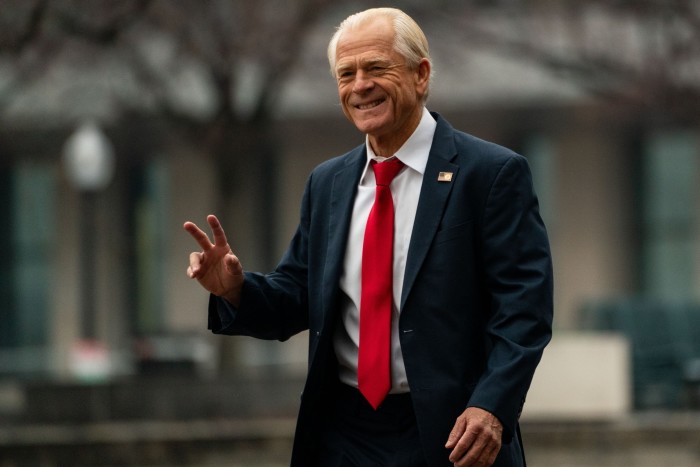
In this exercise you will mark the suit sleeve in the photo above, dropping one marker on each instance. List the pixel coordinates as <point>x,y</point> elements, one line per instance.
<point>518,278</point>
<point>273,306</point>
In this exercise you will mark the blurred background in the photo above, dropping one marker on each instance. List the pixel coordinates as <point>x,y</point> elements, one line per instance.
<point>120,120</point>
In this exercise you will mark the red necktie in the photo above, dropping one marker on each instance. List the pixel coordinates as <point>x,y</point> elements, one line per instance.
<point>373,366</point>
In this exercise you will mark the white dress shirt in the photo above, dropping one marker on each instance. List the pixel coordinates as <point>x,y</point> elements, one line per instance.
<point>405,190</point>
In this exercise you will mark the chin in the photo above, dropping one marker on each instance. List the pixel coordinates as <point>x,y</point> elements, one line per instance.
<point>370,126</point>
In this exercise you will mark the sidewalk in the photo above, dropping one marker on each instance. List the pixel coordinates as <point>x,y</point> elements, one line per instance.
<point>224,442</point>
<point>643,440</point>
<point>249,421</point>
<point>659,439</point>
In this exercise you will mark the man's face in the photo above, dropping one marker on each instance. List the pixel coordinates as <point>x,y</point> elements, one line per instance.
<point>378,92</point>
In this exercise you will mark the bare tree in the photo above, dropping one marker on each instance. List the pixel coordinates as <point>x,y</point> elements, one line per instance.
<point>210,70</point>
<point>641,54</point>
<point>213,69</point>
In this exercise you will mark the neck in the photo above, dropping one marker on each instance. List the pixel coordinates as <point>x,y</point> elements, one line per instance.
<point>388,144</point>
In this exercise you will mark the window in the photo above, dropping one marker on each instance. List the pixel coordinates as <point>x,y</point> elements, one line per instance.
<point>670,197</point>
<point>148,193</point>
<point>26,204</point>
<point>540,154</point>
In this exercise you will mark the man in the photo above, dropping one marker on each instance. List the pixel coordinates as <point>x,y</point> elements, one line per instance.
<point>440,377</point>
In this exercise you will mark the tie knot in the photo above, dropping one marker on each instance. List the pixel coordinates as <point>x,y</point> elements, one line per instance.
<point>385,171</point>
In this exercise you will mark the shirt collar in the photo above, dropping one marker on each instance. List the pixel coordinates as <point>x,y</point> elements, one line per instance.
<point>414,152</point>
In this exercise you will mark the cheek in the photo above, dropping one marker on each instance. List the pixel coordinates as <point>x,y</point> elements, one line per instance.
<point>342,97</point>
<point>406,98</point>
<point>344,94</point>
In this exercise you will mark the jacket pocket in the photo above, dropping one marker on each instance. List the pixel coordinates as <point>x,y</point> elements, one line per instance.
<point>460,231</point>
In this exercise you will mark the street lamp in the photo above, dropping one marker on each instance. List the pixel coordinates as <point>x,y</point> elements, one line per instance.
<point>88,160</point>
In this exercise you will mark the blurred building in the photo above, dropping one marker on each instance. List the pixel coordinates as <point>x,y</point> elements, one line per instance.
<point>618,190</point>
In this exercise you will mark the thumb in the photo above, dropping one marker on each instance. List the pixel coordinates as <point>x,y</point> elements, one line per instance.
<point>233,264</point>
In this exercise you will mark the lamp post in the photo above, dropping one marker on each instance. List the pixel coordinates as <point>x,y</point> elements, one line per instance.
<point>88,160</point>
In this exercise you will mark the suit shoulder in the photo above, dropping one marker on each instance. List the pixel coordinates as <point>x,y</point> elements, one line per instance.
<point>334,164</point>
<point>472,146</point>
<point>486,160</point>
<point>469,148</point>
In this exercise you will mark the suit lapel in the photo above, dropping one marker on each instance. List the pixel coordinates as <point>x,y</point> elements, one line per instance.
<point>434,194</point>
<point>342,199</point>
<point>433,198</point>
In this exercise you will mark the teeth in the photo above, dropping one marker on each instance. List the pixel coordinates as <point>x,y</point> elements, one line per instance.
<point>369,106</point>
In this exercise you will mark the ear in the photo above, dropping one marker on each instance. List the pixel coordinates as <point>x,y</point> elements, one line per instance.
<point>422,76</point>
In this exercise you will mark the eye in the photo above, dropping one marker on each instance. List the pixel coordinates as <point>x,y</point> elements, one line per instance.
<point>345,74</point>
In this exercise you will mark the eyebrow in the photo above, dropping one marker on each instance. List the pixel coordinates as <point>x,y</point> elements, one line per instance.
<point>364,63</point>
<point>341,68</point>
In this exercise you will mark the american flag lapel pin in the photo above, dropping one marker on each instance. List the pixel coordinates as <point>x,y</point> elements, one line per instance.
<point>445,177</point>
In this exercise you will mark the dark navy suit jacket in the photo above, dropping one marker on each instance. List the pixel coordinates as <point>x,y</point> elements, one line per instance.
<point>476,307</point>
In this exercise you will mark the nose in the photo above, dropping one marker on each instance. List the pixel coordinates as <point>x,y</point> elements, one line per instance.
<point>363,82</point>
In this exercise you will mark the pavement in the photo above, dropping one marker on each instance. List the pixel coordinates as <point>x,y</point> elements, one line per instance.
<point>658,439</point>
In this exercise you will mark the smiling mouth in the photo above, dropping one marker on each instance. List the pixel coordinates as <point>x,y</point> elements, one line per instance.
<point>370,105</point>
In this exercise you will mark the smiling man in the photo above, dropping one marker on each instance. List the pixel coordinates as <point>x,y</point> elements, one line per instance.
<point>420,268</point>
<point>380,91</point>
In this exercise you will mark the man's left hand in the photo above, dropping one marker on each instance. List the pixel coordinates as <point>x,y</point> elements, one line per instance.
<point>475,439</point>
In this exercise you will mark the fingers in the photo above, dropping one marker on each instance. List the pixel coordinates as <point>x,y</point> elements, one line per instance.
<point>475,439</point>
<point>217,231</point>
<point>456,433</point>
<point>215,267</point>
<point>194,267</point>
<point>461,442</point>
<point>200,237</point>
<point>472,450</point>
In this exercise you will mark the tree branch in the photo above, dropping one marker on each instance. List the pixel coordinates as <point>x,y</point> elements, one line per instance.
<point>108,33</point>
<point>30,31</point>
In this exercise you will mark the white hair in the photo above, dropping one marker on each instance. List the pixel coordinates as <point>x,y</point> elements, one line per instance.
<point>409,40</point>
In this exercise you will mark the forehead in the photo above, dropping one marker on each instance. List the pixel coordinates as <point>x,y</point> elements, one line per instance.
<point>375,37</point>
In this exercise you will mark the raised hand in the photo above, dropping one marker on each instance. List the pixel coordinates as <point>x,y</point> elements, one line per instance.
<point>216,268</point>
